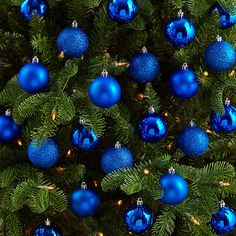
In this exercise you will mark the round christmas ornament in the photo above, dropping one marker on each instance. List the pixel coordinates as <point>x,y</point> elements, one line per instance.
<point>47,229</point>
<point>152,127</point>
<point>225,123</point>
<point>104,91</point>
<point>184,83</point>
<point>175,188</point>
<point>139,218</point>
<point>115,158</point>
<point>84,202</point>
<point>220,55</point>
<point>224,220</point>
<point>72,41</point>
<point>30,7</point>
<point>9,130</point>
<point>44,155</point>
<point>33,77</point>
<point>122,10</point>
<point>144,67</point>
<point>83,138</point>
<point>180,31</point>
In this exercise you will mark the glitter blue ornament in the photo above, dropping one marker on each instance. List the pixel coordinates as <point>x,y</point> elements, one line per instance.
<point>47,229</point>
<point>144,67</point>
<point>193,141</point>
<point>175,188</point>
<point>180,31</point>
<point>115,158</point>
<point>122,10</point>
<point>220,55</point>
<point>33,77</point>
<point>104,91</point>
<point>139,218</point>
<point>72,41</point>
<point>152,127</point>
<point>43,155</point>
<point>29,7</point>
<point>224,220</point>
<point>84,202</point>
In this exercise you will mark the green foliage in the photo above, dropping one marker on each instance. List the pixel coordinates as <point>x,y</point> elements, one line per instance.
<point>13,225</point>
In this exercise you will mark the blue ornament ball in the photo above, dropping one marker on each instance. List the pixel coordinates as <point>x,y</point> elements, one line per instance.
<point>115,158</point>
<point>139,218</point>
<point>175,188</point>
<point>72,41</point>
<point>220,55</point>
<point>184,83</point>
<point>29,7</point>
<point>104,91</point>
<point>33,77</point>
<point>84,202</point>
<point>84,139</point>
<point>47,229</point>
<point>193,141</point>
<point>180,31</point>
<point>122,10</point>
<point>144,67</point>
<point>43,155</point>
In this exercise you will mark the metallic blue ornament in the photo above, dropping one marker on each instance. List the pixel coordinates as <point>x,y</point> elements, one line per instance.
<point>115,158</point>
<point>144,67</point>
<point>44,155</point>
<point>29,7</point>
<point>224,220</point>
<point>184,83</point>
<point>72,41</point>
<point>175,188</point>
<point>47,229</point>
<point>33,77</point>
<point>139,218</point>
<point>104,91</point>
<point>84,202</point>
<point>180,31</point>
<point>193,141</point>
<point>220,55</point>
<point>122,10</point>
<point>152,127</point>
<point>225,123</point>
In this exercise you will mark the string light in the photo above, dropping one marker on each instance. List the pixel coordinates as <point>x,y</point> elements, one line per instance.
<point>169,146</point>
<point>106,56</point>
<point>205,73</point>
<point>146,171</point>
<point>100,234</point>
<point>139,97</point>
<point>69,152</point>
<point>232,73</point>
<point>121,64</point>
<point>19,142</point>
<point>61,55</point>
<point>224,184</point>
<point>209,131</point>
<point>60,169</point>
<point>47,187</point>
<point>165,114</point>
<point>74,90</point>
<point>195,221</point>
<point>95,182</point>
<point>54,115</point>
<point>120,202</point>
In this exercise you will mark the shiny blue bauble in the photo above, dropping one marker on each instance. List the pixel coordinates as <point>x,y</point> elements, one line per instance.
<point>220,55</point>
<point>223,221</point>
<point>84,139</point>
<point>44,155</point>
<point>9,130</point>
<point>33,78</point>
<point>47,230</point>
<point>122,10</point>
<point>193,141</point>
<point>144,67</point>
<point>29,7</point>
<point>104,91</point>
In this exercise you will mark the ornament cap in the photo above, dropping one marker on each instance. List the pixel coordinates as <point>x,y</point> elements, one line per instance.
<point>185,66</point>
<point>227,102</point>
<point>8,112</point>
<point>35,59</point>
<point>84,185</point>
<point>81,121</point>
<point>192,124</point>
<point>144,50</point>
<point>117,145</point>
<point>74,24</point>
<point>151,109</point>
<point>48,222</point>
<point>222,204</point>
<point>171,170</point>
<point>104,73</point>
<point>180,13</point>
<point>140,201</point>
<point>218,38</point>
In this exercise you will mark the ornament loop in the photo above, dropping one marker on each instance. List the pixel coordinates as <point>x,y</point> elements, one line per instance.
<point>83,185</point>
<point>192,124</point>
<point>74,24</point>
<point>35,59</point>
<point>104,73</point>
<point>81,121</point>
<point>48,222</point>
<point>222,204</point>
<point>171,170</point>
<point>117,145</point>
<point>180,13</point>
<point>144,50</point>
<point>218,38</point>
<point>227,102</point>
<point>8,112</point>
<point>151,109</point>
<point>185,66</point>
<point>140,201</point>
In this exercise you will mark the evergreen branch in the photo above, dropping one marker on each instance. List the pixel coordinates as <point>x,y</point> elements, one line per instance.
<point>39,200</point>
<point>151,98</point>
<point>13,225</point>
<point>57,200</point>
<point>7,176</point>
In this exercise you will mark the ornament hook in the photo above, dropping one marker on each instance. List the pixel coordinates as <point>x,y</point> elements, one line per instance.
<point>117,145</point>
<point>35,59</point>
<point>8,112</point>
<point>218,38</point>
<point>144,50</point>
<point>185,66</point>
<point>74,24</point>
<point>81,121</point>
<point>180,13</point>
<point>83,185</point>
<point>151,109</point>
<point>140,201</point>
<point>48,222</point>
<point>227,102</point>
<point>171,170</point>
<point>222,204</point>
<point>104,73</point>
<point>192,124</point>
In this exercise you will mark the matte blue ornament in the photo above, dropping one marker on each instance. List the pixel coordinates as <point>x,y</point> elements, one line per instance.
<point>180,31</point>
<point>224,220</point>
<point>175,188</point>
<point>122,10</point>
<point>184,83</point>
<point>193,141</point>
<point>225,123</point>
<point>33,77</point>
<point>44,155</point>
<point>9,130</point>
<point>84,202</point>
<point>47,229</point>
<point>115,158</point>
<point>104,91</point>
<point>144,67</point>
<point>139,218</point>
<point>220,55</point>
<point>30,7</point>
<point>72,41</point>
<point>152,127</point>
